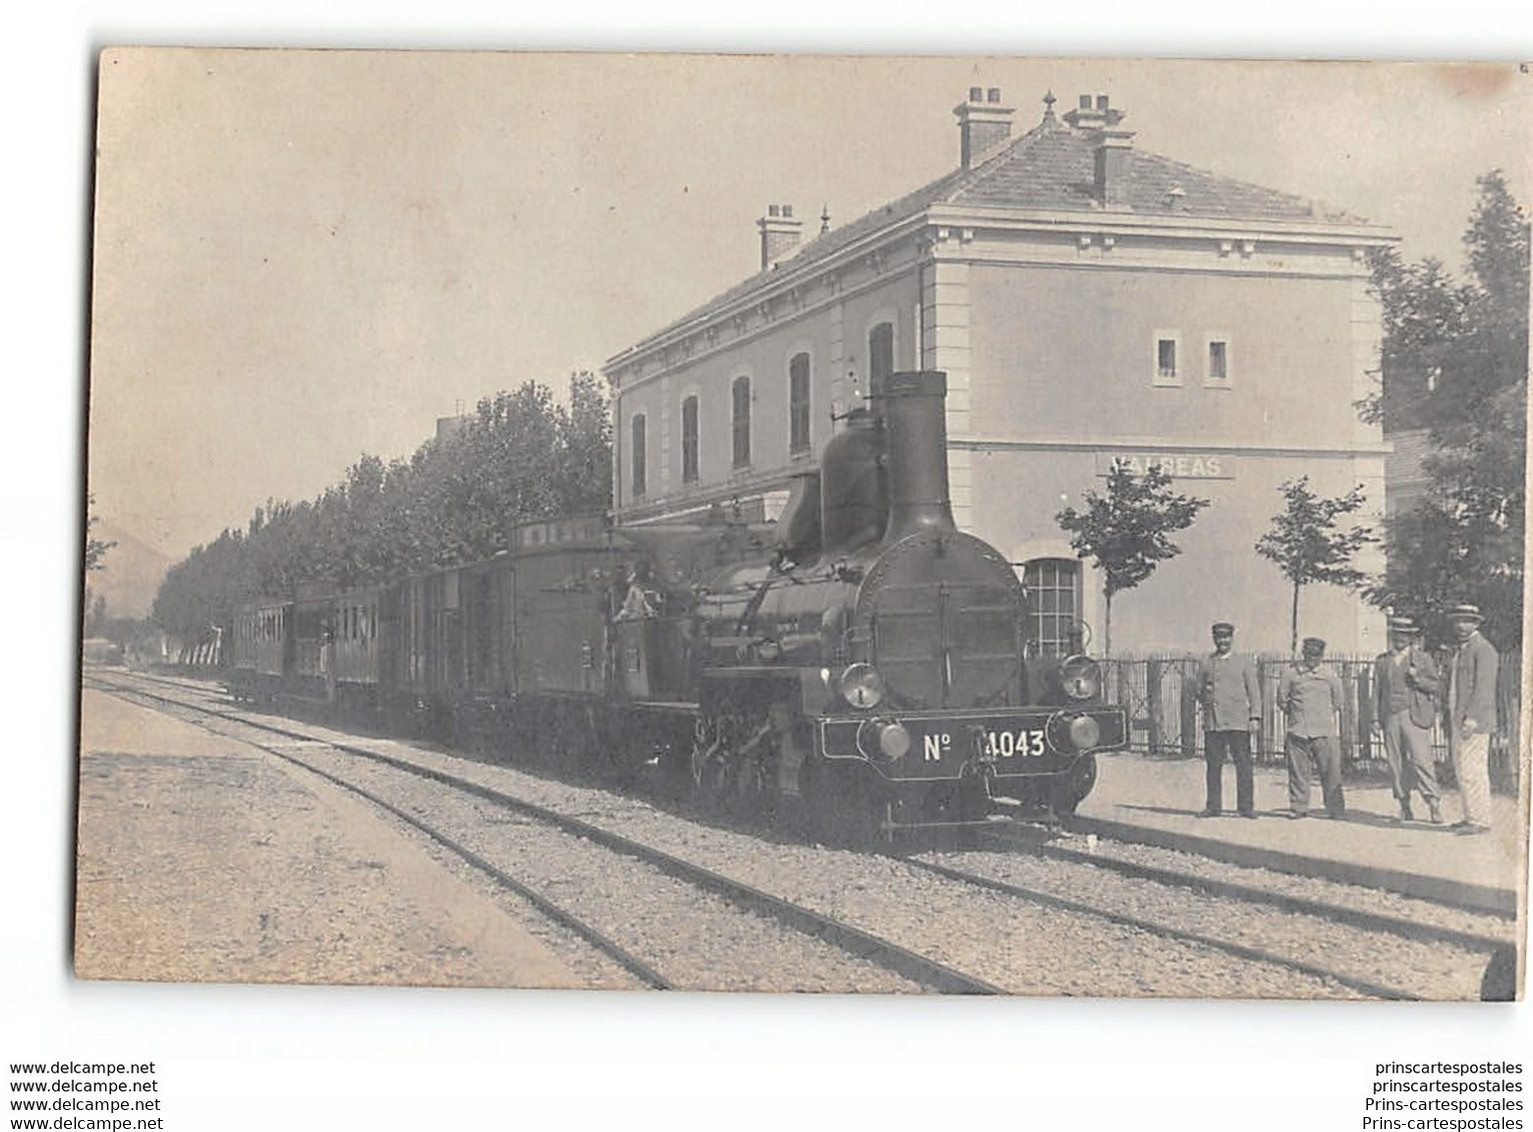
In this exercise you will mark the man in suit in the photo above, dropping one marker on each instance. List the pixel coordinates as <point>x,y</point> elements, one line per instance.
<point>1311,700</point>
<point>1232,713</point>
<point>1405,687</point>
<point>1471,715</point>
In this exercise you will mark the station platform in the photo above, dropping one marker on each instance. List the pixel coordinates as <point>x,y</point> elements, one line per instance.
<point>1158,801</point>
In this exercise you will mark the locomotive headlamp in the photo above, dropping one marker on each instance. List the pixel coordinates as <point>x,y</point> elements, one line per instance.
<point>1085,733</point>
<point>1081,678</point>
<point>885,738</point>
<point>862,686</point>
<point>1073,731</point>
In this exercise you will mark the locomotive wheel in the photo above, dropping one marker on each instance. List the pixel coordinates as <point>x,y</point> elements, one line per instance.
<point>730,775</point>
<point>709,766</point>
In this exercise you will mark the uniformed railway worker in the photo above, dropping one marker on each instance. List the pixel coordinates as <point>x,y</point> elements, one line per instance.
<point>1232,715</point>
<point>1311,700</point>
<point>1406,685</point>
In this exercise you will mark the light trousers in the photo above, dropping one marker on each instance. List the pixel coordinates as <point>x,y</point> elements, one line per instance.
<point>1408,750</point>
<point>1471,763</point>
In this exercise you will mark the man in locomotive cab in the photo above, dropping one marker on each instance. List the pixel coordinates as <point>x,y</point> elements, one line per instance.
<point>640,601</point>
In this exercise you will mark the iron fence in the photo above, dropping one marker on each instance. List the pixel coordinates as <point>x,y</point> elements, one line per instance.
<point>1160,694</point>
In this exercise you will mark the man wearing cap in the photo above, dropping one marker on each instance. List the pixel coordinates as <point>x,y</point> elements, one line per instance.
<point>1405,686</point>
<point>1471,715</point>
<point>1311,699</point>
<point>1232,713</point>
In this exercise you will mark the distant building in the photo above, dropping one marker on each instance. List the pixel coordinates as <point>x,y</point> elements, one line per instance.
<point>1090,303</point>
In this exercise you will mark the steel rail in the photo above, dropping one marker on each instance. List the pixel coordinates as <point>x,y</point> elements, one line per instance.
<point>1239,950</point>
<point>596,938</point>
<point>1251,894</point>
<point>852,940</point>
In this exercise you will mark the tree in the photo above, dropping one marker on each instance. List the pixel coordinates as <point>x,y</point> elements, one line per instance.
<point>1425,312</point>
<point>1306,545</point>
<point>519,456</point>
<point>1125,532</point>
<point>95,548</point>
<point>1464,540</point>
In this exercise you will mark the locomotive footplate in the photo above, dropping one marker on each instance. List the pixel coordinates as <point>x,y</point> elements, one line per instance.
<point>923,746</point>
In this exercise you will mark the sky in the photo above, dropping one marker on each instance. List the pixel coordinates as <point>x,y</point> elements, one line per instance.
<point>304,256</point>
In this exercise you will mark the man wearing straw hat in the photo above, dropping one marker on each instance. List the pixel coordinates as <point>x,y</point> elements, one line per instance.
<point>1471,715</point>
<point>1405,687</point>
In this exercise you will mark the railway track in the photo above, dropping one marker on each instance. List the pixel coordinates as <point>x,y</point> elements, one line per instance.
<point>1184,932</point>
<point>920,971</point>
<point>1500,930</point>
<point>1366,987</point>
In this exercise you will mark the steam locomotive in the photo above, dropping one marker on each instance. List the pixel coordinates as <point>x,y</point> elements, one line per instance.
<point>861,661</point>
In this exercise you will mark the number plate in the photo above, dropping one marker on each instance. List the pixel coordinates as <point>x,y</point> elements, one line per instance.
<point>1006,745</point>
<point>941,745</point>
<point>1019,744</point>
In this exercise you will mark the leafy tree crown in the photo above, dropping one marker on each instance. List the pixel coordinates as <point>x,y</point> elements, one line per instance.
<point>1126,530</point>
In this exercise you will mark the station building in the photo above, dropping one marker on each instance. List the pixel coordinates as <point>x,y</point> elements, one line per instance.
<point>1090,303</point>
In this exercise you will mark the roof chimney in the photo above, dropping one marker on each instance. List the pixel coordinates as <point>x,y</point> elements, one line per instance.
<point>1114,152</point>
<point>1114,148</point>
<point>780,234</point>
<point>983,123</point>
<point>1095,112</point>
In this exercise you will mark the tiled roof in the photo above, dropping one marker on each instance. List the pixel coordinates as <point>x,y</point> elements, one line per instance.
<point>823,247</point>
<point>1052,168</point>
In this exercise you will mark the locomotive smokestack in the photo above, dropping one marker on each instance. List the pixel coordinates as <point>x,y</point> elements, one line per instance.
<point>912,407</point>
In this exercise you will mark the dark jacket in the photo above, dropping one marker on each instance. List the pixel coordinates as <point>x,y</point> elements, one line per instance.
<point>1411,686</point>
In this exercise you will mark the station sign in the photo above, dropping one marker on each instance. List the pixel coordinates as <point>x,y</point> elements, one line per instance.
<point>1188,465</point>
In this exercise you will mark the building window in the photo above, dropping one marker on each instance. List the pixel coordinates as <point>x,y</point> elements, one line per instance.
<point>636,482</point>
<point>689,440</point>
<point>1167,360</point>
<point>798,404</point>
<point>1053,597</point>
<point>880,351</point>
<point>740,418</point>
<point>1218,373</point>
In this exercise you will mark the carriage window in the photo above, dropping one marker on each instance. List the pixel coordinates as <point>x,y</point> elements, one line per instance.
<point>1053,598</point>
<point>881,351</point>
<point>798,403</point>
<point>637,483</point>
<point>741,418</point>
<point>689,440</point>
